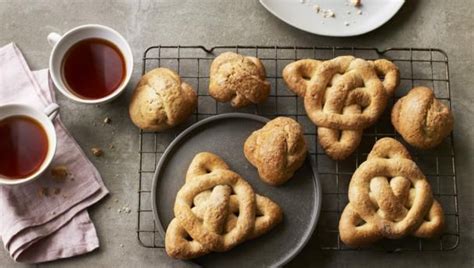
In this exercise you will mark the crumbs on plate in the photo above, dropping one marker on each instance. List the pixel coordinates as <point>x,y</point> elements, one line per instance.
<point>329,13</point>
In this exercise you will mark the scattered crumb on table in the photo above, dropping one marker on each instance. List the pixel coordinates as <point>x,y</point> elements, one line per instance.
<point>97,151</point>
<point>107,120</point>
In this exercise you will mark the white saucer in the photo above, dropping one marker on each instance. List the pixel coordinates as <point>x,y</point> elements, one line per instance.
<point>347,21</point>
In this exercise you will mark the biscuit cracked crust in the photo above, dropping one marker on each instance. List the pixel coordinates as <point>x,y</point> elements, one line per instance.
<point>238,79</point>
<point>277,150</point>
<point>421,119</point>
<point>161,100</point>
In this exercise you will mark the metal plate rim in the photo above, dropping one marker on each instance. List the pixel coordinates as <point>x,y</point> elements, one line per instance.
<point>176,141</point>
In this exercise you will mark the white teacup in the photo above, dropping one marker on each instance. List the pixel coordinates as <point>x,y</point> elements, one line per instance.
<point>44,118</point>
<point>61,45</point>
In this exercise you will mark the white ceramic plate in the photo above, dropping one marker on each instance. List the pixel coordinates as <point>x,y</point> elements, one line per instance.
<point>346,22</point>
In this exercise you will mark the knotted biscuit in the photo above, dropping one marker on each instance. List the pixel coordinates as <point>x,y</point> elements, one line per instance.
<point>216,210</point>
<point>238,79</point>
<point>421,119</point>
<point>389,197</point>
<point>161,100</point>
<point>277,150</point>
<point>342,96</point>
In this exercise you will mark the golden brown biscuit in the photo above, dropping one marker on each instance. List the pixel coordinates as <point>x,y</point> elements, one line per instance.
<point>238,79</point>
<point>389,197</point>
<point>161,100</point>
<point>342,96</point>
<point>216,210</point>
<point>277,150</point>
<point>421,119</point>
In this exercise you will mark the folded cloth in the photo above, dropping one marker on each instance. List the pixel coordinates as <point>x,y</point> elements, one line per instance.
<point>46,219</point>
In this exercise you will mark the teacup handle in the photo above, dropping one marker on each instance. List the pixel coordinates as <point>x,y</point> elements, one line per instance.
<point>53,38</point>
<point>51,111</point>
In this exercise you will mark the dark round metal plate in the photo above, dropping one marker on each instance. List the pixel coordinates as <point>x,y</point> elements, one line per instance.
<point>224,135</point>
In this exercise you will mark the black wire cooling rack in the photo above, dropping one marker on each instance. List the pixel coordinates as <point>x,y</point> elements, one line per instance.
<point>418,66</point>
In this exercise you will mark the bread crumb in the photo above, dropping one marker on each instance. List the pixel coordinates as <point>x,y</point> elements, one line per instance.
<point>356,3</point>
<point>59,173</point>
<point>97,151</point>
<point>316,8</point>
<point>107,120</point>
<point>359,12</point>
<point>328,13</point>
<point>124,209</point>
<point>43,192</point>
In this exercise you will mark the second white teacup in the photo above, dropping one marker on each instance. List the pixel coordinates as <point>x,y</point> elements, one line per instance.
<point>62,45</point>
<point>17,140</point>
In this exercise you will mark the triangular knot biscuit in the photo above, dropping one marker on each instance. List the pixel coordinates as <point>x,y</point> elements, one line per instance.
<point>389,197</point>
<point>342,96</point>
<point>216,210</point>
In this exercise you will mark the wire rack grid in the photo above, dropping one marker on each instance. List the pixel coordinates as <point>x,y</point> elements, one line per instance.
<point>418,66</point>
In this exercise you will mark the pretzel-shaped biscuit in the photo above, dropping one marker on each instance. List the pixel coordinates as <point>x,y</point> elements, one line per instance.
<point>389,197</point>
<point>216,210</point>
<point>342,96</point>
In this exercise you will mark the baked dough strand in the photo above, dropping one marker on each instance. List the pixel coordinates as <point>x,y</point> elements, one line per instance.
<point>342,96</point>
<point>216,210</point>
<point>389,197</point>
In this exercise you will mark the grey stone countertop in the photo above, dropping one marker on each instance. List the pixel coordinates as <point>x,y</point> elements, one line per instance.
<point>420,23</point>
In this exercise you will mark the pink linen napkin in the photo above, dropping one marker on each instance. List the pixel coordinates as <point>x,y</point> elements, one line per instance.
<point>34,226</point>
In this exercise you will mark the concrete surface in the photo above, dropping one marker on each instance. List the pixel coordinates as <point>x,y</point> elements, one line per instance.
<point>424,23</point>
